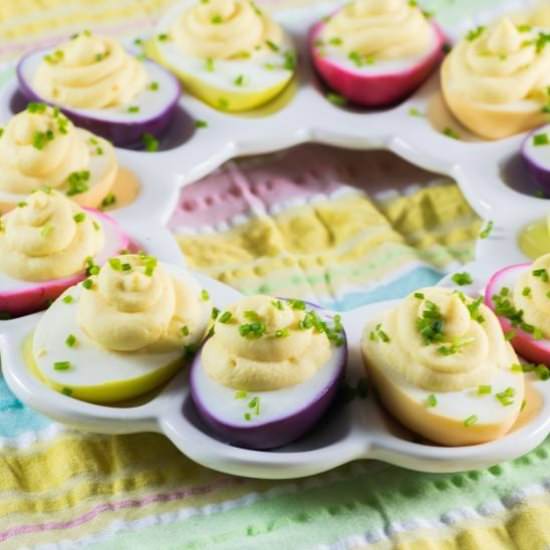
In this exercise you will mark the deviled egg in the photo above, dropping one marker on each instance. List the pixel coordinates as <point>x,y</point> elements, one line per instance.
<point>442,366</point>
<point>48,243</point>
<point>229,53</point>
<point>101,87</point>
<point>520,297</point>
<point>268,372</point>
<point>496,79</point>
<point>40,147</point>
<point>376,52</point>
<point>121,332</point>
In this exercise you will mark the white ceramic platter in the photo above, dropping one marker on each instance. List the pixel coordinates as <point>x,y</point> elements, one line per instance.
<point>359,429</point>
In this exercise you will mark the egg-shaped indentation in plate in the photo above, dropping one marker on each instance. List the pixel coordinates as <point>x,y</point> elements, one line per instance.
<point>250,398</point>
<point>101,88</point>
<point>122,333</point>
<point>228,53</point>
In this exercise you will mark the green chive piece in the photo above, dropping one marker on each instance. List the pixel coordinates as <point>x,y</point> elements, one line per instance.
<point>487,230</point>
<point>62,365</point>
<point>484,389</point>
<point>204,295</point>
<point>470,421</point>
<point>71,341</point>
<point>79,217</point>
<point>68,299</point>
<point>431,400</point>
<point>462,279</point>
<point>225,317</point>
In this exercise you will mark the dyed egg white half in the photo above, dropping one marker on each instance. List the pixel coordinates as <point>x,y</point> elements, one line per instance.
<point>97,374</point>
<point>263,76</point>
<point>154,112</point>
<point>446,422</point>
<point>283,415</point>
<point>531,349</point>
<point>22,297</point>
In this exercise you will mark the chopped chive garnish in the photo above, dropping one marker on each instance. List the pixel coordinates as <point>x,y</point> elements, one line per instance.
<point>282,333</point>
<point>150,142</point>
<point>297,304</point>
<point>486,231</point>
<point>209,64</point>
<point>506,397</point>
<point>462,279</point>
<point>215,313</point>
<point>378,335</point>
<point>241,394</point>
<point>475,33</point>
<point>67,391</point>
<point>225,317</point>
<point>526,292</point>
<point>418,295</point>
<point>516,367</point>
<point>133,109</point>
<point>277,304</point>
<point>184,330</point>
<point>239,80</point>
<point>163,37</point>
<point>204,295</point>
<point>78,182</point>
<point>68,299</point>
<point>216,19</point>
<point>484,389</point>
<point>153,86</point>
<point>79,217</point>
<point>88,284</point>
<point>201,123</point>
<point>431,401</point>
<point>62,365</point>
<point>542,274</point>
<point>430,323</point>
<point>510,335</point>
<point>542,372</point>
<point>71,341</point>
<point>413,111</point>
<point>109,200</point>
<point>272,45</point>
<point>540,139</point>
<point>336,99</point>
<point>450,133</point>
<point>470,421</point>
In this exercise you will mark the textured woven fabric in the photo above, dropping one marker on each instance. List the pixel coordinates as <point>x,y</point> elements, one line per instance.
<point>345,230</point>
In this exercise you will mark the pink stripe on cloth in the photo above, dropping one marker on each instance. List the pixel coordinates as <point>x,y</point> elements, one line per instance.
<point>120,505</point>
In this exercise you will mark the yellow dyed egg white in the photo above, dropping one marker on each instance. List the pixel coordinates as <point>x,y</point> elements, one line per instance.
<point>228,53</point>
<point>122,332</point>
<point>441,366</point>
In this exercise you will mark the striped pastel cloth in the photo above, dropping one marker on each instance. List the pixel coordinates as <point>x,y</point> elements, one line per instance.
<point>338,227</point>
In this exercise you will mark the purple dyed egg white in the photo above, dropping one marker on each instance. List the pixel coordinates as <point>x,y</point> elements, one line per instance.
<point>270,418</point>
<point>535,152</point>
<point>148,112</point>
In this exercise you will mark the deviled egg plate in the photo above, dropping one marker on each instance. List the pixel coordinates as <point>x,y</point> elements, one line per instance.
<point>101,87</point>
<point>443,367</point>
<point>229,53</point>
<point>121,332</point>
<point>48,243</point>
<point>268,372</point>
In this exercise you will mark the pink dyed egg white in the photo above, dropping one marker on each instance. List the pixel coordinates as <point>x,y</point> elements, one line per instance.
<point>275,418</point>
<point>377,84</point>
<point>526,345</point>
<point>23,297</point>
<point>152,109</point>
<point>535,152</point>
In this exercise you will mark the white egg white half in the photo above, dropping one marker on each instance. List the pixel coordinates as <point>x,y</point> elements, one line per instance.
<point>224,403</point>
<point>98,374</point>
<point>151,103</point>
<point>113,245</point>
